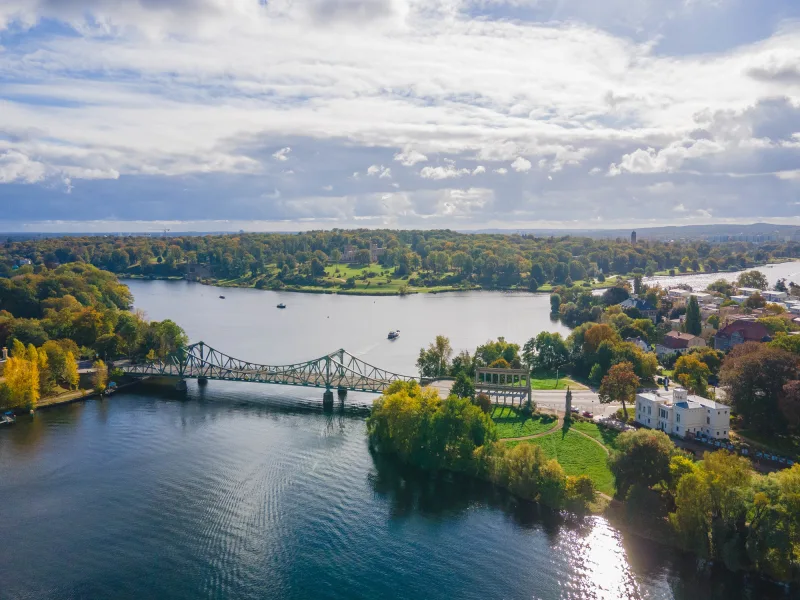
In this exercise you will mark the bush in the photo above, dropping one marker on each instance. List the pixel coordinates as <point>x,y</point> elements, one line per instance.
<point>483,402</point>
<point>579,493</point>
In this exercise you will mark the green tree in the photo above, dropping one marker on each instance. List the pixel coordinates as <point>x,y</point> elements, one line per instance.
<point>642,457</point>
<point>752,279</point>
<point>555,303</point>
<point>692,374</point>
<point>721,286</point>
<point>463,386</point>
<point>434,361</point>
<point>693,323</point>
<point>546,352</point>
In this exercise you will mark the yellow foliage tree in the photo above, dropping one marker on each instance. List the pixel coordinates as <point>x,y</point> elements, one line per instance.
<point>100,377</point>
<point>22,381</point>
<point>71,377</point>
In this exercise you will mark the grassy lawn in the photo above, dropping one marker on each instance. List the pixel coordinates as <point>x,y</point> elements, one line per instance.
<point>578,456</point>
<point>549,383</point>
<point>604,435</point>
<point>510,423</point>
<point>786,445</point>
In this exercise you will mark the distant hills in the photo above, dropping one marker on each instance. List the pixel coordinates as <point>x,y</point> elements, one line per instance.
<point>752,232</point>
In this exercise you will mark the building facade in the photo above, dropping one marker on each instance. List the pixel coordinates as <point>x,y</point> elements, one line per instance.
<point>683,415</point>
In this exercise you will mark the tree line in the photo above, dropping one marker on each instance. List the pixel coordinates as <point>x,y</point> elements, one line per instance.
<point>426,258</point>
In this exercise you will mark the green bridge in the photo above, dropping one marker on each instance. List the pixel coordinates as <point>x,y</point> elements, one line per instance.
<point>340,370</point>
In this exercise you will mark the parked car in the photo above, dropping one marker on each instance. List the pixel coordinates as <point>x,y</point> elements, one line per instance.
<point>587,414</point>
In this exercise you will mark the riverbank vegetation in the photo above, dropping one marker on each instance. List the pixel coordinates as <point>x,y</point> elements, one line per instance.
<point>420,429</point>
<point>717,507</point>
<point>51,318</point>
<point>388,261</point>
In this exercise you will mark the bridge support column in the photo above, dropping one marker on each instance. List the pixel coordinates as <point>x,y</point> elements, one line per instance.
<point>181,385</point>
<point>327,399</point>
<point>202,380</point>
<point>342,393</point>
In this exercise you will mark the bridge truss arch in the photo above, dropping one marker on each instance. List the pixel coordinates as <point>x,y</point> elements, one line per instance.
<point>339,369</point>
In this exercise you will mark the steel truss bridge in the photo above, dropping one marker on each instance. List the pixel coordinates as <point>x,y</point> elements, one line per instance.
<point>339,369</point>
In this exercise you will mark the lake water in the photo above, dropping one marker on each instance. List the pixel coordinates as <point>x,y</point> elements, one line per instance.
<point>250,491</point>
<point>788,270</point>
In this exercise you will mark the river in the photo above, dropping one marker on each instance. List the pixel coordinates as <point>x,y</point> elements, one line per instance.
<point>249,491</point>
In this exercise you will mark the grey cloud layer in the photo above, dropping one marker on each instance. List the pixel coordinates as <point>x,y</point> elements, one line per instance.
<point>275,107</point>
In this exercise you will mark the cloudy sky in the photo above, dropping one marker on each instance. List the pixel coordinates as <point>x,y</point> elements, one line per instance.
<point>131,115</point>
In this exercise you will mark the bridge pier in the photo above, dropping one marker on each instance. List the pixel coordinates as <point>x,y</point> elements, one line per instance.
<point>327,399</point>
<point>342,393</point>
<point>202,380</point>
<point>181,385</point>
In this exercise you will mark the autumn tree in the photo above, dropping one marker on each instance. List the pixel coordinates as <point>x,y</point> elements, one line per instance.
<point>619,385</point>
<point>642,458</point>
<point>71,376</point>
<point>99,375</point>
<point>753,376</point>
<point>692,374</point>
<point>752,279</point>
<point>434,361</point>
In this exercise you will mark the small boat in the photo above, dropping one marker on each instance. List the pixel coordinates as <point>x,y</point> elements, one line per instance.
<point>281,305</point>
<point>222,297</point>
<point>394,335</point>
<point>7,418</point>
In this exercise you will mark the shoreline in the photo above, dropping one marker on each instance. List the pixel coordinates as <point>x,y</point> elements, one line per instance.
<point>434,290</point>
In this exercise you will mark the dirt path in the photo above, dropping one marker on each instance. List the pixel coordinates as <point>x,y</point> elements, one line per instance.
<point>559,423</point>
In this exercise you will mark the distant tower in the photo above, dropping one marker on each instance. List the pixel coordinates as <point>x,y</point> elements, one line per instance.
<point>633,238</point>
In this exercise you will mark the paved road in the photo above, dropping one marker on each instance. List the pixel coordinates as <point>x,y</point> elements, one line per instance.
<point>555,399</point>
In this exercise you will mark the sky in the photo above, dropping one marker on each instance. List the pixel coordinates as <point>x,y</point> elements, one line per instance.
<point>287,115</point>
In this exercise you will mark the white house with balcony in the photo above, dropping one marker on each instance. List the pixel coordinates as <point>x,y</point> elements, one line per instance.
<point>681,414</point>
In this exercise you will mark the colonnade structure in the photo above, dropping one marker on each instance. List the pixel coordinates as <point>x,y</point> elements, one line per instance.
<point>504,384</point>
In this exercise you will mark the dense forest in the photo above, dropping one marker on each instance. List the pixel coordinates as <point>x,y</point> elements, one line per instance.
<point>50,318</point>
<point>414,259</point>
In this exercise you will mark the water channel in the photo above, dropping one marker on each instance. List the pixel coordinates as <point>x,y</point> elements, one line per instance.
<point>250,491</point>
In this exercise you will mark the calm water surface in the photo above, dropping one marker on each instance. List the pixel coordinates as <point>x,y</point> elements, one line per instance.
<point>251,491</point>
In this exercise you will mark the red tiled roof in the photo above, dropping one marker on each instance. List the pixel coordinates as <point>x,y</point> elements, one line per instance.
<point>676,339</point>
<point>752,331</point>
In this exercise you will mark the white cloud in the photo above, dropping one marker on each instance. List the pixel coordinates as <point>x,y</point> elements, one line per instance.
<point>449,171</point>
<point>521,165</point>
<point>479,170</point>
<point>501,171</point>
<point>16,167</point>
<point>282,154</point>
<point>409,157</point>
<point>380,171</point>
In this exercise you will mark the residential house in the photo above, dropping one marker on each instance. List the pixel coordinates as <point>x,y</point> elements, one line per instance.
<point>647,310</point>
<point>746,291</point>
<point>774,296</point>
<point>682,414</point>
<point>639,343</point>
<point>739,332</point>
<point>676,342</point>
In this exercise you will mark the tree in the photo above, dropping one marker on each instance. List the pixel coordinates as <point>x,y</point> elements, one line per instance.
<point>789,343</point>
<point>555,303</point>
<point>615,295</point>
<point>642,458</point>
<point>789,403</point>
<point>753,376</point>
<point>755,301</point>
<point>619,385</point>
<point>22,381</point>
<point>463,386</point>
<point>721,286</point>
<point>99,376</point>
<point>434,361</point>
<point>637,284</point>
<point>692,374</point>
<point>752,279</point>
<point>712,358</point>
<point>693,323</point>
<point>71,377</point>
<point>484,402</point>
<point>596,335</point>
<point>546,352</point>
<point>363,257</point>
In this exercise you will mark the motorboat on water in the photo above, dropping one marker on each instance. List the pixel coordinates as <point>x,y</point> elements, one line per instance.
<point>281,305</point>
<point>393,335</point>
<point>8,418</point>
<point>222,297</point>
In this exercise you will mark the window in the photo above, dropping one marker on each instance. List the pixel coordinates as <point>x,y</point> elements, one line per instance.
<point>678,418</point>
<point>708,420</point>
<point>677,429</point>
<point>718,434</point>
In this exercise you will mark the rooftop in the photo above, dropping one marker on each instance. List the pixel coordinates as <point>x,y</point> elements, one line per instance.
<point>688,401</point>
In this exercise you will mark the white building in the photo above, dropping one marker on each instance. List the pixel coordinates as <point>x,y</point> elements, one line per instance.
<point>678,413</point>
<point>774,296</point>
<point>746,291</point>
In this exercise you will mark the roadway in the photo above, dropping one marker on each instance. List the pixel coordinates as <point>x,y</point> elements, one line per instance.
<point>552,399</point>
